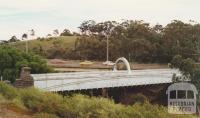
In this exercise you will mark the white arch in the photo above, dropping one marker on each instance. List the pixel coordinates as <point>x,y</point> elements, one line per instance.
<point>125,62</point>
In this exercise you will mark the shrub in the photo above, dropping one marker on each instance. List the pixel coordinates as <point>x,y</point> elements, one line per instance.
<point>32,99</point>
<point>186,66</point>
<point>176,61</point>
<point>7,91</point>
<point>2,99</point>
<point>140,98</point>
<point>38,101</point>
<point>11,61</point>
<point>84,106</point>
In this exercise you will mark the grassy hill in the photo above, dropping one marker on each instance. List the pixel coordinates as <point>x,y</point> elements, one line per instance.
<point>46,43</point>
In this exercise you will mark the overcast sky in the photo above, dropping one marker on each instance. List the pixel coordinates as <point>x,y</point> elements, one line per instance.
<point>19,16</point>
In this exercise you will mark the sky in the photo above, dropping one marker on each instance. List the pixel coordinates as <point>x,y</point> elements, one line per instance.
<point>19,16</point>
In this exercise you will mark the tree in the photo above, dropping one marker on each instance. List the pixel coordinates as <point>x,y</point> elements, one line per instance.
<point>189,69</point>
<point>49,35</point>
<point>55,32</point>
<point>136,40</point>
<point>13,39</point>
<point>86,26</point>
<point>66,32</point>
<point>76,34</point>
<point>183,39</point>
<point>131,39</point>
<point>11,61</point>
<point>32,32</point>
<point>24,36</point>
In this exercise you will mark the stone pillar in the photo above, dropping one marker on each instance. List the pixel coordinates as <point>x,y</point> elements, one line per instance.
<point>25,78</point>
<point>25,73</point>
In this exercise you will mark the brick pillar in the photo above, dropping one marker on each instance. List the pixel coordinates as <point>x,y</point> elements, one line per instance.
<point>25,78</point>
<point>25,73</point>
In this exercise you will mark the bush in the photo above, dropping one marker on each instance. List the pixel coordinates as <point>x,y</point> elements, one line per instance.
<point>11,61</point>
<point>186,66</point>
<point>139,98</point>
<point>38,101</point>
<point>7,91</point>
<point>2,99</point>
<point>32,99</point>
<point>18,103</point>
<point>84,106</point>
<point>176,61</point>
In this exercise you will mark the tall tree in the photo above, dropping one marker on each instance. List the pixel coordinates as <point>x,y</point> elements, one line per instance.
<point>24,36</point>
<point>32,32</point>
<point>66,32</point>
<point>13,39</point>
<point>55,32</point>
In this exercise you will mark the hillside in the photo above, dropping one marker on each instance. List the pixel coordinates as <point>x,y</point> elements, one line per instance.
<point>46,43</point>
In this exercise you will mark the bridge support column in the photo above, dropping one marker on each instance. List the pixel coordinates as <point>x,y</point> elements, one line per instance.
<point>91,92</point>
<point>105,92</point>
<point>124,92</point>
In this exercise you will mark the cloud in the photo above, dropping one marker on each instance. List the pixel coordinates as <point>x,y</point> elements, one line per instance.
<point>17,16</point>
<point>29,4</point>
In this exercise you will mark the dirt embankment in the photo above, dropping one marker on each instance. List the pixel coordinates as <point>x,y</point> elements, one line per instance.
<point>12,112</point>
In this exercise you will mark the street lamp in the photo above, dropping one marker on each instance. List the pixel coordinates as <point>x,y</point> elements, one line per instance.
<point>107,62</point>
<point>31,33</point>
<point>26,46</point>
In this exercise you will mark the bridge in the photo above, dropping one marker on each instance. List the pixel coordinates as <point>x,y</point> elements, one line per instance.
<point>103,79</point>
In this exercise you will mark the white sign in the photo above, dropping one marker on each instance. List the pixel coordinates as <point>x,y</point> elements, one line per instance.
<point>182,98</point>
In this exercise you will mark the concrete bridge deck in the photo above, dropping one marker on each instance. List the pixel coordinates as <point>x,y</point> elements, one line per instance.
<point>102,79</point>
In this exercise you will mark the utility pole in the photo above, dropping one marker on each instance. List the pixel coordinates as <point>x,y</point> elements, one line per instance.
<point>107,62</point>
<point>31,33</point>
<point>25,37</point>
<point>107,50</point>
<point>26,46</point>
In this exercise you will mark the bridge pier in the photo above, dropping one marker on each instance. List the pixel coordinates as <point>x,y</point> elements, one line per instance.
<point>91,92</point>
<point>104,92</point>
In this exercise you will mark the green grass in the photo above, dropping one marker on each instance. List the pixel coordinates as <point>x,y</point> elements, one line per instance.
<point>46,43</point>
